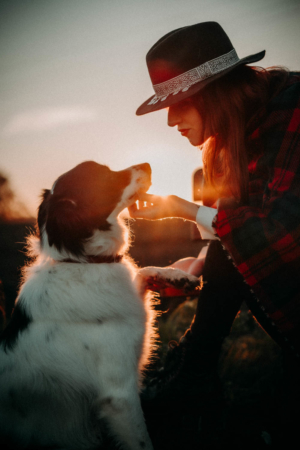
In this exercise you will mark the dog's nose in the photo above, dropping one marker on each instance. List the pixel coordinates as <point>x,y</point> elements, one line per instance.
<point>145,167</point>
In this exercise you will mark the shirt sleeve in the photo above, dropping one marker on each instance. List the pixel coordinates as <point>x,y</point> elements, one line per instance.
<point>204,219</point>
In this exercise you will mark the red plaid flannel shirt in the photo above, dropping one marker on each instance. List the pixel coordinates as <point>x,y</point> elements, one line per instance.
<point>263,237</point>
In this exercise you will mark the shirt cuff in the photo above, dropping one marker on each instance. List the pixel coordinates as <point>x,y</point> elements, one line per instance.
<point>204,218</point>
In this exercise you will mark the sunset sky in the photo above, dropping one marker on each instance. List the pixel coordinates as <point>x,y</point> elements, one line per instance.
<point>73,73</point>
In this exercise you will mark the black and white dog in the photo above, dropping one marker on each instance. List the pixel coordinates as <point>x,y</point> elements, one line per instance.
<point>72,356</point>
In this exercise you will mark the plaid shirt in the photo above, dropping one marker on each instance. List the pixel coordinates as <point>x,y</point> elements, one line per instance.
<point>263,237</point>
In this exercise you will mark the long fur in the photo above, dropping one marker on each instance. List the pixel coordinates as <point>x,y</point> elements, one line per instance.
<point>72,357</point>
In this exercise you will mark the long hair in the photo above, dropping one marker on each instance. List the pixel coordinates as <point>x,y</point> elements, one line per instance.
<point>227,107</point>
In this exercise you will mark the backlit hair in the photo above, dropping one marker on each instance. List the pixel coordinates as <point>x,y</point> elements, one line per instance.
<point>227,107</point>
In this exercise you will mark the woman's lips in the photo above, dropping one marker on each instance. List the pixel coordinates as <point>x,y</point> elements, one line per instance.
<point>184,131</point>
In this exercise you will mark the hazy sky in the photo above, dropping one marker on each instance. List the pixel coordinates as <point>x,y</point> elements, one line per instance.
<point>73,74</point>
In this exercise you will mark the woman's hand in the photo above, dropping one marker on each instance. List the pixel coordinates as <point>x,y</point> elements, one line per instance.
<point>190,265</point>
<point>154,207</point>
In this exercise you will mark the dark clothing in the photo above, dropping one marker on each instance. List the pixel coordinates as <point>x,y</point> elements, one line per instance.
<point>263,237</point>
<point>224,291</point>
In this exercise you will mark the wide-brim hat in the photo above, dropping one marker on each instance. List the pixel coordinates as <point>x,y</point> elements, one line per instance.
<point>185,60</point>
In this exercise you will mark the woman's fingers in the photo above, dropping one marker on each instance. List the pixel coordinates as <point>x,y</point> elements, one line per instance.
<point>183,264</point>
<point>143,211</point>
<point>196,268</point>
<point>191,265</point>
<point>148,207</point>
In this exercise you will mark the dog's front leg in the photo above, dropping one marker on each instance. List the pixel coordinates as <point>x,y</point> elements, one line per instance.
<point>125,421</point>
<point>157,278</point>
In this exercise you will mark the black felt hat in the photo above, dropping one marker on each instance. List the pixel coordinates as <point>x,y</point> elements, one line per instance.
<point>185,60</point>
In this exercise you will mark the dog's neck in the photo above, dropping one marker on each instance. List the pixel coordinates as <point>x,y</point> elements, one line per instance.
<point>98,259</point>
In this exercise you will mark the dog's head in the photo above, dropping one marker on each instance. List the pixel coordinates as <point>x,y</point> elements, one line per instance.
<point>78,216</point>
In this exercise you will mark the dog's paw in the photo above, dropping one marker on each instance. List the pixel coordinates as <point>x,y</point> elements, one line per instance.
<point>157,279</point>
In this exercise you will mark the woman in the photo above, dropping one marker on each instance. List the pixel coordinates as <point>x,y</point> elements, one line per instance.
<point>247,121</point>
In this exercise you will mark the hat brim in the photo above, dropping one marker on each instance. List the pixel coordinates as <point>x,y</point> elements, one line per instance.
<point>146,108</point>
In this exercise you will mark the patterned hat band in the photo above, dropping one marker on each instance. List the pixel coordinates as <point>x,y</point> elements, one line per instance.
<point>183,82</point>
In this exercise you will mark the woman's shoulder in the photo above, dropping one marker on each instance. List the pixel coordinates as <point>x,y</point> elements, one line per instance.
<point>281,109</point>
<point>282,102</point>
<point>280,115</point>
<point>289,95</point>
<point>294,77</point>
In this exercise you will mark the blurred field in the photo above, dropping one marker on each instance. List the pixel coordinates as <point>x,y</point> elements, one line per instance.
<point>12,257</point>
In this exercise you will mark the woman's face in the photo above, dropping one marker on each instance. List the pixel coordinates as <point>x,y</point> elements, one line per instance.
<point>188,120</point>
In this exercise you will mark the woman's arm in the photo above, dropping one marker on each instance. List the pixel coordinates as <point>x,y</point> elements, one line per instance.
<point>154,207</point>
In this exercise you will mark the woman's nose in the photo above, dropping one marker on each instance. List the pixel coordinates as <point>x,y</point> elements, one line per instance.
<point>173,116</point>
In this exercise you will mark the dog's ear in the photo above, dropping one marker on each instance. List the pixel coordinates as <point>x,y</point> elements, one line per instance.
<point>45,194</point>
<point>42,211</point>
